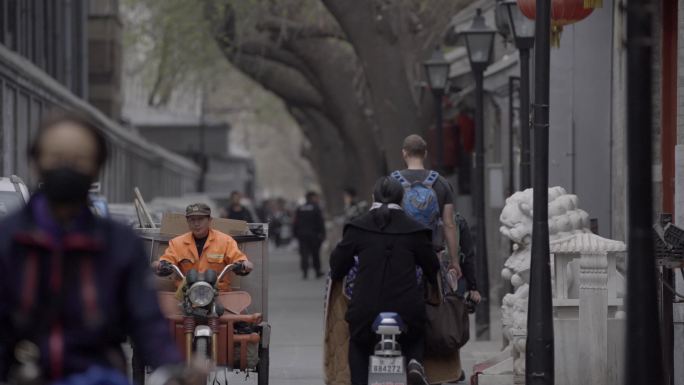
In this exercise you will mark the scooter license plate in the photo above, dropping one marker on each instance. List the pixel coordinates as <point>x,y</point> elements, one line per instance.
<point>387,365</point>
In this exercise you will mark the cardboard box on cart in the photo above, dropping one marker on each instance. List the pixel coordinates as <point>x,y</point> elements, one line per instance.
<point>254,246</point>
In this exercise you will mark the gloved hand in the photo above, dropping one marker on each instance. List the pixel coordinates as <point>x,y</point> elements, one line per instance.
<point>243,268</point>
<point>240,269</point>
<point>163,268</point>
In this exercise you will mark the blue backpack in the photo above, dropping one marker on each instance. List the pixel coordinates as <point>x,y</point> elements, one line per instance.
<point>421,203</point>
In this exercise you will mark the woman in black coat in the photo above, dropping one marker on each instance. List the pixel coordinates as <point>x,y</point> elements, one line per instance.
<point>389,245</point>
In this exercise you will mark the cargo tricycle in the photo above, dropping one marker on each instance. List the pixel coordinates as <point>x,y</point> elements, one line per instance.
<point>230,329</point>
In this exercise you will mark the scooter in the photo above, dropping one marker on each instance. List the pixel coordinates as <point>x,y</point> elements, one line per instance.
<point>388,366</point>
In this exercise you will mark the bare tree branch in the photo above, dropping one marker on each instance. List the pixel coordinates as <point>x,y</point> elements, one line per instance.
<point>284,29</point>
<point>278,54</point>
<point>287,83</point>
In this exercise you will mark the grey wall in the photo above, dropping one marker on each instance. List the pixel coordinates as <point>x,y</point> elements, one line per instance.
<point>580,133</point>
<point>187,139</point>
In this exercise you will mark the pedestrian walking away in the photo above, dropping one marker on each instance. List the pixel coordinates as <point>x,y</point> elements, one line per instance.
<point>353,207</point>
<point>309,229</point>
<point>468,283</point>
<point>237,210</point>
<point>429,199</point>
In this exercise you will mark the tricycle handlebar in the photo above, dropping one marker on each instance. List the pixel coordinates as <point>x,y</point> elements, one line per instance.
<point>232,267</point>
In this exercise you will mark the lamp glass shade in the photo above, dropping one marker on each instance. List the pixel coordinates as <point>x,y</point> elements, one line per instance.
<point>479,46</point>
<point>523,28</point>
<point>437,70</point>
<point>479,40</point>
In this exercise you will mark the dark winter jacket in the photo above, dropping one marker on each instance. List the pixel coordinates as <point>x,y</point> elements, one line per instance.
<point>467,253</point>
<point>77,294</point>
<point>309,224</point>
<point>386,280</point>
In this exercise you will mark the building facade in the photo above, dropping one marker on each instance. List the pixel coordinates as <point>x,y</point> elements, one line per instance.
<point>44,65</point>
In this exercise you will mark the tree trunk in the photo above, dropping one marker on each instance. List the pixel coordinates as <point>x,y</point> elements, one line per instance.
<point>345,107</point>
<point>391,41</point>
<point>326,154</point>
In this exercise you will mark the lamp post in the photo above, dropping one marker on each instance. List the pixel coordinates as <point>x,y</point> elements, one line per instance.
<point>437,71</point>
<point>480,43</point>
<point>539,352</point>
<point>643,363</point>
<point>523,35</point>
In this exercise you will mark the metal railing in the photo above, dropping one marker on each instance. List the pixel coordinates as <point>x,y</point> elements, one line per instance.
<point>27,92</point>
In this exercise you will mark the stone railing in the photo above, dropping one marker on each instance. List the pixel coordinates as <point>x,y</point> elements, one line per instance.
<point>587,303</point>
<point>587,295</point>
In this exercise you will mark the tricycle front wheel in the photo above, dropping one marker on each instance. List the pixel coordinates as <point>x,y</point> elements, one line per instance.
<point>202,349</point>
<point>263,366</point>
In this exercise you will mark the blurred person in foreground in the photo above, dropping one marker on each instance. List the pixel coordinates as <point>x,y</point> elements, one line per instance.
<point>237,210</point>
<point>309,229</point>
<point>73,286</point>
<point>202,248</point>
<point>389,245</point>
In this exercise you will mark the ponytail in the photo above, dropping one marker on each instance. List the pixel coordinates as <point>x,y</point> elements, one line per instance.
<point>386,191</point>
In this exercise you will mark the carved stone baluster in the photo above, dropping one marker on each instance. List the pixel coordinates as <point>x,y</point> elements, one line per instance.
<point>593,319</point>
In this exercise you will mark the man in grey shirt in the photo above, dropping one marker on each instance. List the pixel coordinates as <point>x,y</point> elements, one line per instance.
<point>414,152</point>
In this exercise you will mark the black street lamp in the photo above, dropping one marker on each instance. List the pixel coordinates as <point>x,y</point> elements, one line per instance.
<point>523,35</point>
<point>480,45</point>
<point>437,71</point>
<point>539,353</point>
<point>643,363</point>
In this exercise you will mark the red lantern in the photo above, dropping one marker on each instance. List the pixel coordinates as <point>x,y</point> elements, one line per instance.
<point>563,12</point>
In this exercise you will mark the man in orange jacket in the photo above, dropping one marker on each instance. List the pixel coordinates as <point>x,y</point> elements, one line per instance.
<point>203,248</point>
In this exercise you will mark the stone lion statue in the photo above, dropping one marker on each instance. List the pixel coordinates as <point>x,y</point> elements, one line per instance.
<point>565,220</point>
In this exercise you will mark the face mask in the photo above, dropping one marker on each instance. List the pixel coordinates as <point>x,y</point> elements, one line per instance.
<point>65,185</point>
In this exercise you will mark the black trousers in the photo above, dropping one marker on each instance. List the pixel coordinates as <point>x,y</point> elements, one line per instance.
<point>310,249</point>
<point>412,347</point>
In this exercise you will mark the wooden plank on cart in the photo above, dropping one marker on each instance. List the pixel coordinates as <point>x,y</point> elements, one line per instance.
<point>146,212</point>
<point>177,224</point>
<point>140,215</point>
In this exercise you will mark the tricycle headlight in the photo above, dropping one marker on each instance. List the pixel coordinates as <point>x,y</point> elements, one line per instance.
<point>201,294</point>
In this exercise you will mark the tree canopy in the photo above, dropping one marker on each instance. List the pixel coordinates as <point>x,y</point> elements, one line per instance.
<point>348,71</point>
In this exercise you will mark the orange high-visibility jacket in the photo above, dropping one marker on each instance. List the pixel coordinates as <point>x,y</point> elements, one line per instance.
<point>219,250</point>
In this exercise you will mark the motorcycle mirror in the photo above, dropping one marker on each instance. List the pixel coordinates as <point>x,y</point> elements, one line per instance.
<point>192,276</point>
<point>210,277</point>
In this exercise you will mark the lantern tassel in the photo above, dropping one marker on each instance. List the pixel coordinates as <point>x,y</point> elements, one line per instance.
<point>556,31</point>
<point>593,4</point>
